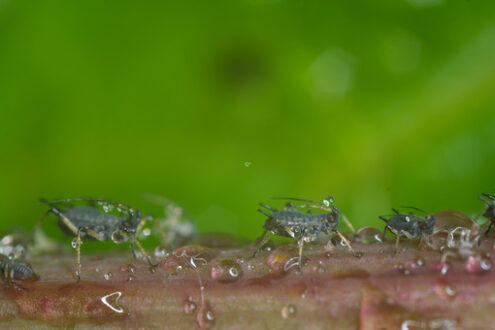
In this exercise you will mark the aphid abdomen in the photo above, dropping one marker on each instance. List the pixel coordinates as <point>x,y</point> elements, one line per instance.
<point>90,217</point>
<point>22,271</point>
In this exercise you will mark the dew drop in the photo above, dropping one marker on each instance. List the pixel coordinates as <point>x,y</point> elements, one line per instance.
<point>189,307</point>
<point>226,271</point>
<point>131,278</point>
<point>477,265</point>
<point>75,243</point>
<point>369,235</point>
<point>161,252</point>
<point>419,261</point>
<point>288,311</point>
<point>444,290</point>
<point>444,267</point>
<point>129,268</point>
<point>403,270</point>
<point>205,317</point>
<point>319,269</point>
<point>108,276</point>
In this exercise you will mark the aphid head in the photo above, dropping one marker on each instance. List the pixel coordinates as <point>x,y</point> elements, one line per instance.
<point>427,224</point>
<point>490,203</point>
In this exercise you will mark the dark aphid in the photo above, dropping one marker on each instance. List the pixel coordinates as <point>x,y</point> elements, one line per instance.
<point>89,222</point>
<point>303,227</point>
<point>11,270</point>
<point>490,209</point>
<point>409,225</point>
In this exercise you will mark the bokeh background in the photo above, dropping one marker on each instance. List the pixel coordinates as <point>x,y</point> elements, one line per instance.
<point>222,105</point>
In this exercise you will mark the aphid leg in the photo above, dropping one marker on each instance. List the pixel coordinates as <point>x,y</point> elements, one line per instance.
<point>143,251</point>
<point>263,240</point>
<point>348,223</point>
<point>489,227</point>
<point>77,245</point>
<point>300,243</point>
<point>40,222</point>
<point>397,239</point>
<point>384,233</point>
<point>347,243</point>
<point>13,282</point>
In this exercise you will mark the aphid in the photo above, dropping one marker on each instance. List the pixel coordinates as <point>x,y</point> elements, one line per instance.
<point>88,222</point>
<point>410,226</point>
<point>304,227</point>
<point>490,209</point>
<point>11,270</point>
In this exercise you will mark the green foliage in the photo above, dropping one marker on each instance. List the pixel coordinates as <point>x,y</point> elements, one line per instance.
<point>221,105</point>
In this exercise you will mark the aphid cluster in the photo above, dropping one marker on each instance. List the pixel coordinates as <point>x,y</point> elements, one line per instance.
<point>104,220</point>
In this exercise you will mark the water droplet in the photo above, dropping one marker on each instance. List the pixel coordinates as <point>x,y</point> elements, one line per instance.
<point>189,307</point>
<point>205,317</point>
<point>75,243</point>
<point>477,265</point>
<point>247,164</point>
<point>131,278</point>
<point>179,268</point>
<point>161,252</point>
<point>419,261</point>
<point>108,276</point>
<point>226,271</point>
<point>444,290</point>
<point>146,232</point>
<point>369,235</point>
<point>250,266</point>
<point>129,268</point>
<point>319,269</point>
<point>288,311</point>
<point>403,270</point>
<point>444,267</point>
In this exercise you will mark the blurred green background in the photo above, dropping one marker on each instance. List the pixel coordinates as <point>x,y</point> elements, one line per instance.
<point>220,105</point>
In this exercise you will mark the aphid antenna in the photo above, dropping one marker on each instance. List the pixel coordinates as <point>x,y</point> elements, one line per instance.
<point>268,207</point>
<point>488,196</point>
<point>383,218</point>
<point>414,208</point>
<point>395,211</point>
<point>295,199</point>
<point>487,202</point>
<point>265,213</point>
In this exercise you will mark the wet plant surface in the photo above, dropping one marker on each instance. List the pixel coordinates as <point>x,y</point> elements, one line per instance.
<point>201,286</point>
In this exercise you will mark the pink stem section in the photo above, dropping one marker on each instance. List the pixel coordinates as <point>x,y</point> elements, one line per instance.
<point>205,287</point>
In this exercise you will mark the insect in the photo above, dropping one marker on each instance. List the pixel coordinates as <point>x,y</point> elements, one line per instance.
<point>304,227</point>
<point>490,209</point>
<point>409,225</point>
<point>89,222</point>
<point>12,269</point>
